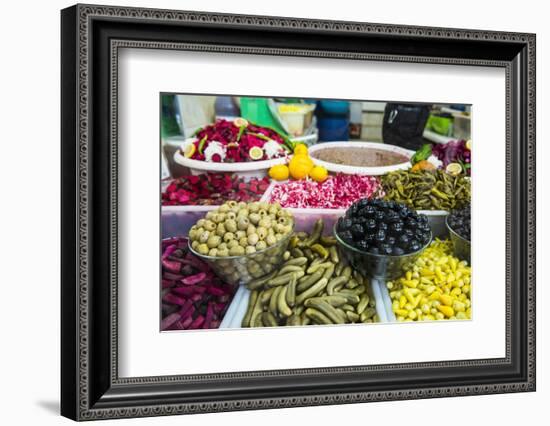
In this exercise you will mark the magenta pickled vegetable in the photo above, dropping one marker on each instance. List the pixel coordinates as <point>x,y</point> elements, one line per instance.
<point>193,297</point>
<point>212,189</point>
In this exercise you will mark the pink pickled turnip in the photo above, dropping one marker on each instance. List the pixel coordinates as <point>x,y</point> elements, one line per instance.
<point>197,322</point>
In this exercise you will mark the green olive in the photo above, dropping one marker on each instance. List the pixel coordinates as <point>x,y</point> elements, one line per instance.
<point>265,222</point>
<point>210,226</point>
<point>242,205</point>
<point>279,237</point>
<point>243,241</point>
<point>270,240</point>
<point>250,230</point>
<point>239,234</point>
<point>213,241</point>
<point>262,232</point>
<point>231,203</point>
<point>203,249</point>
<point>195,245</point>
<point>264,206</point>
<point>222,246</point>
<point>228,236</point>
<point>279,228</point>
<point>230,216</point>
<point>236,251</point>
<point>230,225</point>
<point>203,238</point>
<point>213,252</point>
<point>262,213</point>
<point>232,243</point>
<point>242,213</point>
<point>254,218</point>
<point>224,208</point>
<point>261,245</point>
<point>250,250</point>
<point>223,252</point>
<point>243,223</point>
<point>210,215</point>
<point>253,239</point>
<point>220,230</point>
<point>218,218</point>
<point>253,207</point>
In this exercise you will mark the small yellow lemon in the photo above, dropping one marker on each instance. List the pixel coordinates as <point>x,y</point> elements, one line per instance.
<point>256,153</point>
<point>453,169</point>
<point>469,144</point>
<point>189,150</point>
<point>279,172</point>
<point>318,174</point>
<point>300,166</point>
<point>300,149</point>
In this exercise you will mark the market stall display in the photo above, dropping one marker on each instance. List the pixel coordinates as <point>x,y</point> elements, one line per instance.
<point>319,234</point>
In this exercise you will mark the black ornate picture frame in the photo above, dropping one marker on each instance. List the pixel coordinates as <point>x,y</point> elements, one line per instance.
<point>91,37</point>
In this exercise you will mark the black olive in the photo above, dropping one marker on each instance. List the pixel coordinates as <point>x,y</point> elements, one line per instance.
<point>357,231</point>
<point>362,245</point>
<point>380,235</point>
<point>374,250</point>
<point>370,224</point>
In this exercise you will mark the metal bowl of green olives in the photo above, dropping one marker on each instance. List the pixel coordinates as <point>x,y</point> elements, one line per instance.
<point>242,241</point>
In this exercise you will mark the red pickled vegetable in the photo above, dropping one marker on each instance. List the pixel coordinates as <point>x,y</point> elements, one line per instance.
<point>171,276</point>
<point>194,279</point>
<point>337,192</point>
<point>213,189</point>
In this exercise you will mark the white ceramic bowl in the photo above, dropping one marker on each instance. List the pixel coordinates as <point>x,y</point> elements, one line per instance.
<point>354,170</point>
<point>250,169</point>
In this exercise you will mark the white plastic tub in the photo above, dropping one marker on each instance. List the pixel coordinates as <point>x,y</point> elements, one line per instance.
<point>248,169</point>
<point>354,170</point>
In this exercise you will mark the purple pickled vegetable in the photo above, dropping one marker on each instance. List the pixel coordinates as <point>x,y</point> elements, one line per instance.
<point>171,266</point>
<point>194,279</point>
<point>173,299</point>
<point>197,322</point>
<point>169,320</point>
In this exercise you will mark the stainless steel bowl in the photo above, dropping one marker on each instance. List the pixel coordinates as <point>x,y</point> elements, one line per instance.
<point>461,246</point>
<point>377,266</point>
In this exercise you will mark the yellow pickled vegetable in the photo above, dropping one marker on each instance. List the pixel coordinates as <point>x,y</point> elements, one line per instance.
<point>436,287</point>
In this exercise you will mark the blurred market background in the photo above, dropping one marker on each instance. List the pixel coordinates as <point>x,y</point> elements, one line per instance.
<point>312,121</point>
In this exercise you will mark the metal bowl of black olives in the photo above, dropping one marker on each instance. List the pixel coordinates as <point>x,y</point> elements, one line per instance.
<point>458,224</point>
<point>382,238</point>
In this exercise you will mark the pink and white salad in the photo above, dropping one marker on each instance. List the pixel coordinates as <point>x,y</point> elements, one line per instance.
<point>337,192</point>
<point>236,141</point>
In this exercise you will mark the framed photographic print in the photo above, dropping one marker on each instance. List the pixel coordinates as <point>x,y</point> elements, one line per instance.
<point>263,212</point>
